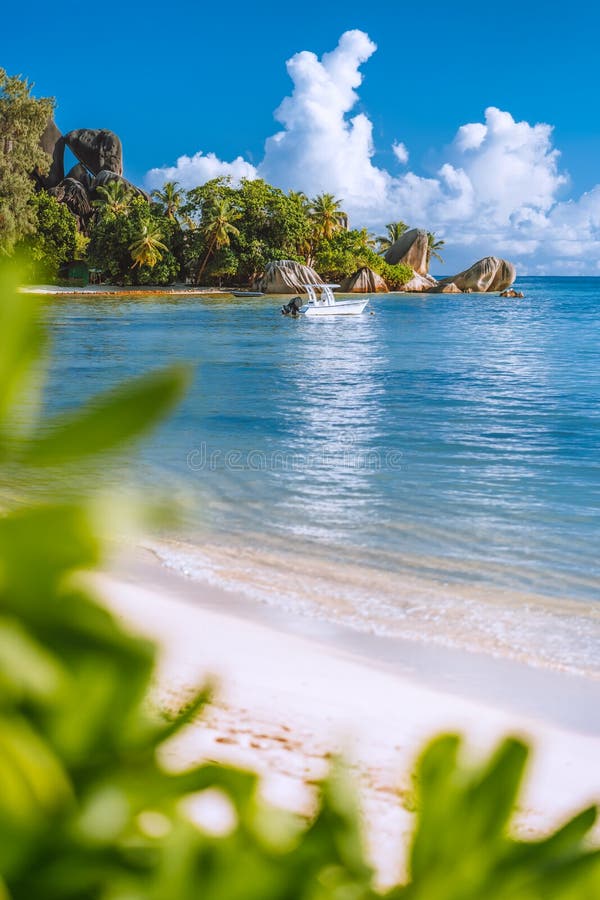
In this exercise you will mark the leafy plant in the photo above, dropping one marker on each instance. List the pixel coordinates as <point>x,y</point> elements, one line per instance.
<point>394,231</point>
<point>87,809</point>
<point>55,241</point>
<point>133,243</point>
<point>23,119</point>
<point>170,198</point>
<point>327,216</point>
<point>218,229</point>
<point>462,848</point>
<point>147,249</point>
<point>113,198</point>
<point>434,245</point>
<point>395,276</point>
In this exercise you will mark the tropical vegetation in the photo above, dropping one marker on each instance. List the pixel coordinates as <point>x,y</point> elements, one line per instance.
<point>214,233</point>
<point>434,245</point>
<point>88,808</point>
<point>23,119</point>
<point>133,246</point>
<point>54,241</point>
<point>394,231</point>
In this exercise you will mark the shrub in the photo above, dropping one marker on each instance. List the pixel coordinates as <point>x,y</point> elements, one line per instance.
<point>54,242</point>
<point>394,276</point>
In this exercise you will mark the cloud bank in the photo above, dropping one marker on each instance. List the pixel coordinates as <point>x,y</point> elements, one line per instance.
<point>498,191</point>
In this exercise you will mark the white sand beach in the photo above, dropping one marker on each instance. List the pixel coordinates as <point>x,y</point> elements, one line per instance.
<point>292,692</point>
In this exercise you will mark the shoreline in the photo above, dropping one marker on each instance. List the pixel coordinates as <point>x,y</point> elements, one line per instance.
<point>116,290</point>
<point>537,630</point>
<point>293,692</point>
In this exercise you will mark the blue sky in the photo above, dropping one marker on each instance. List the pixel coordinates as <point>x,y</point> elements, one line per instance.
<point>185,77</point>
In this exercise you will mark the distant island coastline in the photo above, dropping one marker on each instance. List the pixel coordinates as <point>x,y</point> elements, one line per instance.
<point>90,224</point>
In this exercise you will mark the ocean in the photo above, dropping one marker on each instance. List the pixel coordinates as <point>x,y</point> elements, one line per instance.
<point>430,470</point>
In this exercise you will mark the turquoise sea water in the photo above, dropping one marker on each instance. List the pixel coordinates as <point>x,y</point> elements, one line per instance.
<point>430,470</point>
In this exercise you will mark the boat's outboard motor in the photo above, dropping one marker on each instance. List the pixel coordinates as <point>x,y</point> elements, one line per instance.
<point>293,307</point>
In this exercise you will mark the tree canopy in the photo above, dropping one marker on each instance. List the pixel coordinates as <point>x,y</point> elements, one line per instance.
<point>134,245</point>
<point>54,240</point>
<point>23,119</point>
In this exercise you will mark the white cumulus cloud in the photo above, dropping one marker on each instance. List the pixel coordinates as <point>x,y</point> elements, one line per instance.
<point>190,171</point>
<point>320,148</point>
<point>499,189</point>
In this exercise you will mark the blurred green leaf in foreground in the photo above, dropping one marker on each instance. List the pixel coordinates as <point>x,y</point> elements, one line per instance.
<point>87,811</point>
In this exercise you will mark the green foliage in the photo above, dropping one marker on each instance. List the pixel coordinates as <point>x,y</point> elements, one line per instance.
<point>23,119</point>
<point>169,199</point>
<point>395,276</point>
<point>434,245</point>
<point>55,240</point>
<point>147,249</point>
<point>462,848</point>
<point>327,216</point>
<point>343,253</point>
<point>269,224</point>
<point>217,228</point>
<point>116,230</point>
<point>394,231</point>
<point>347,251</point>
<point>87,809</point>
<point>113,198</point>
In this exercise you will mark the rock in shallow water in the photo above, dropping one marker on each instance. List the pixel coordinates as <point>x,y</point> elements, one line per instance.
<point>445,289</point>
<point>419,284</point>
<point>365,281</point>
<point>285,276</point>
<point>488,274</point>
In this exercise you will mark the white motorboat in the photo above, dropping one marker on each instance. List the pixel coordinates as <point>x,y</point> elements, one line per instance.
<point>321,302</point>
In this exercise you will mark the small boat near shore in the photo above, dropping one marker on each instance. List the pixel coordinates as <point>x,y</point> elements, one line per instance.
<point>321,302</point>
<point>248,293</point>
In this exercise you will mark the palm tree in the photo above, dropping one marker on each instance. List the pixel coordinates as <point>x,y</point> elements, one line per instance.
<point>327,216</point>
<point>170,198</point>
<point>190,223</point>
<point>300,197</point>
<point>147,249</point>
<point>368,238</point>
<point>395,230</point>
<point>218,228</point>
<point>114,197</point>
<point>433,246</point>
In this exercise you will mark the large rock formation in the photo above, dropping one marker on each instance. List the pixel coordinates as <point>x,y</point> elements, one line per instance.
<point>75,197</point>
<point>80,173</point>
<point>365,281</point>
<point>52,143</point>
<point>97,149</point>
<point>412,248</point>
<point>488,274</point>
<point>419,284</point>
<point>445,288</point>
<point>285,276</point>
<point>100,161</point>
<point>106,177</point>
